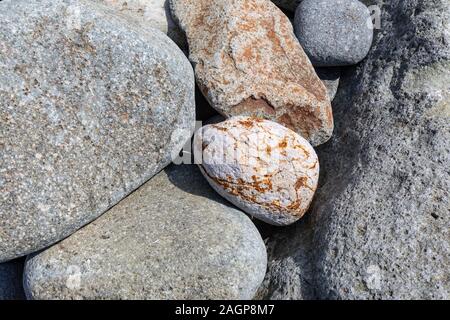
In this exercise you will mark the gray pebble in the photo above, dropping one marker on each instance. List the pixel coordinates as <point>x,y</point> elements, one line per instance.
<point>334,33</point>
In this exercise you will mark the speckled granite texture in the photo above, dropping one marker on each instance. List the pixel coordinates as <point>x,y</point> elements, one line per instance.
<point>174,238</point>
<point>91,107</point>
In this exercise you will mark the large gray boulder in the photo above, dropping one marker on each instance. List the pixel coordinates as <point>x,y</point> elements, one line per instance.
<point>91,106</point>
<point>174,238</point>
<point>380,224</point>
<point>11,280</point>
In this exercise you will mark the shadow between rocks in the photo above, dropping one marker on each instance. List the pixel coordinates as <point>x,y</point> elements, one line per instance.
<point>188,178</point>
<point>11,278</point>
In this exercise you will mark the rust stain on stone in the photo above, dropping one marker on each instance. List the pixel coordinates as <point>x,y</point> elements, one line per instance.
<point>255,66</point>
<point>220,128</point>
<point>282,188</point>
<point>253,105</point>
<point>246,123</point>
<point>283,144</point>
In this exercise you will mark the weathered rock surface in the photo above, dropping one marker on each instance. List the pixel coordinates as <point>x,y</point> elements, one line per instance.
<point>91,106</point>
<point>334,33</point>
<point>248,62</point>
<point>381,219</point>
<point>174,238</point>
<point>153,13</point>
<point>330,78</point>
<point>263,168</point>
<point>11,280</point>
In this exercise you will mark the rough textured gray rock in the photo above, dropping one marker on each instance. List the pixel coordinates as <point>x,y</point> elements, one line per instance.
<point>330,78</point>
<point>91,106</point>
<point>174,238</point>
<point>248,62</point>
<point>11,280</point>
<point>263,168</point>
<point>152,13</point>
<point>334,33</point>
<point>380,218</point>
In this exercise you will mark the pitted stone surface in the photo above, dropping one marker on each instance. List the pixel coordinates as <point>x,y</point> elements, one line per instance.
<point>248,62</point>
<point>380,220</point>
<point>265,169</point>
<point>91,106</point>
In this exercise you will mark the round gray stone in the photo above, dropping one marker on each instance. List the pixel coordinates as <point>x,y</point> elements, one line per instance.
<point>91,106</point>
<point>334,33</point>
<point>174,238</point>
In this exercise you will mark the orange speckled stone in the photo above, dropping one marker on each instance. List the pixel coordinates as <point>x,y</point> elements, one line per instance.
<point>248,62</point>
<point>265,169</point>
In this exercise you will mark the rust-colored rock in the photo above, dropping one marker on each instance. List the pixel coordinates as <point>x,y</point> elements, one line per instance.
<point>248,62</point>
<point>263,168</point>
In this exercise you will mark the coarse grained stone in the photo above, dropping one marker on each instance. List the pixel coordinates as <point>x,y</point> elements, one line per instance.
<point>380,218</point>
<point>91,105</point>
<point>174,238</point>
<point>248,62</point>
<point>263,168</point>
<point>334,33</point>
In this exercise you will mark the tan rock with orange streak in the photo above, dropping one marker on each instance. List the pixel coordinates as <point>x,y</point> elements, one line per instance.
<point>265,169</point>
<point>248,62</point>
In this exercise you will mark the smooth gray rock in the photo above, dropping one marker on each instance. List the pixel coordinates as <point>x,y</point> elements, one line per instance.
<point>173,238</point>
<point>380,221</point>
<point>91,106</point>
<point>11,280</point>
<point>330,78</point>
<point>334,33</point>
